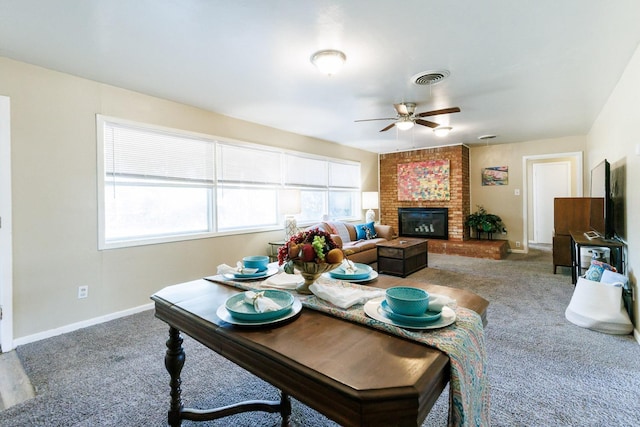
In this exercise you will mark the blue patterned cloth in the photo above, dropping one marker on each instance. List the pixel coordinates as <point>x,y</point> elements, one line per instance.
<point>462,341</point>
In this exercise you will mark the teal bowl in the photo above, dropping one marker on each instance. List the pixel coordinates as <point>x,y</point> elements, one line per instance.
<point>407,301</point>
<point>256,261</point>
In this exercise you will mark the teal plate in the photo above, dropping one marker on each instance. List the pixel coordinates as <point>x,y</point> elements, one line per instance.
<point>426,317</point>
<point>225,316</point>
<point>258,275</point>
<point>362,272</point>
<point>255,275</point>
<point>239,309</point>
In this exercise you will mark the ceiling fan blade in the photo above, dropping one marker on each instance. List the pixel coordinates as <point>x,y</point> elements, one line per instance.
<point>370,120</point>
<point>388,127</point>
<point>427,123</point>
<point>401,109</point>
<point>437,112</point>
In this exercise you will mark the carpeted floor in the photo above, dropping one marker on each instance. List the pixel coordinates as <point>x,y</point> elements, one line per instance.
<point>544,371</point>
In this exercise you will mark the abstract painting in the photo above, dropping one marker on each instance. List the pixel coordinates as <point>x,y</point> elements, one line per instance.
<point>498,175</point>
<point>427,180</point>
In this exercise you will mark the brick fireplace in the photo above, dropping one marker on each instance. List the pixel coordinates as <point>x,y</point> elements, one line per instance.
<point>458,206</point>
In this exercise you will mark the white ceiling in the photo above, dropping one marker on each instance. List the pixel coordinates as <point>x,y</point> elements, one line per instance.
<point>522,70</point>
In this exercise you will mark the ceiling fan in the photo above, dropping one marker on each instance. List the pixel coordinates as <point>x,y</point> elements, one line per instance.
<point>406,117</point>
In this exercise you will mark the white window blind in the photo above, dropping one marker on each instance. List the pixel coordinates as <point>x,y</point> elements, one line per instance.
<point>240,164</point>
<point>344,175</point>
<point>301,170</point>
<point>145,153</point>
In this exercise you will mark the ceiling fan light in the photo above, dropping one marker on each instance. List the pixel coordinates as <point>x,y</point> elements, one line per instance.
<point>442,130</point>
<point>404,124</point>
<point>328,61</point>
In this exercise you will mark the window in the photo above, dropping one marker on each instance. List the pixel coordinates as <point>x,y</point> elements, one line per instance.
<point>158,185</point>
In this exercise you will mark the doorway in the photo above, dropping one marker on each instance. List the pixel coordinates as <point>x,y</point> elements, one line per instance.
<point>6,258</point>
<point>574,179</point>
<point>550,180</point>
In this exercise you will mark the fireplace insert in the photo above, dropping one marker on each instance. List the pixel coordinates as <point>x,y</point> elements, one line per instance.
<point>430,223</point>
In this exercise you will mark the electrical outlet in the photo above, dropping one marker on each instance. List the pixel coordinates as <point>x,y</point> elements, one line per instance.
<point>517,244</point>
<point>83,292</point>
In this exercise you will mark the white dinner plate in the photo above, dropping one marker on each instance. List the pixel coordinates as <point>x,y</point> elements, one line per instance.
<point>372,275</point>
<point>372,309</point>
<point>223,314</point>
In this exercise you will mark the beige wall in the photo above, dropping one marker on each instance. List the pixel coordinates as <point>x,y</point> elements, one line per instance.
<point>54,199</point>
<point>614,136</point>
<point>502,200</point>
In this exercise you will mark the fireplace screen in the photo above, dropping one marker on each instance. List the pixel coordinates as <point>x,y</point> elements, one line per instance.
<point>430,223</point>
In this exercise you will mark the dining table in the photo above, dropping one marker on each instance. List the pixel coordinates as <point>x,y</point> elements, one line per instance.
<point>354,374</point>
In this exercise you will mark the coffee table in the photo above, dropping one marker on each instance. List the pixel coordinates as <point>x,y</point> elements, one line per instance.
<point>353,374</point>
<point>402,256</point>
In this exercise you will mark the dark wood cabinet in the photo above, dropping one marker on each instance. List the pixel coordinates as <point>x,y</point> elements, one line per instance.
<point>401,257</point>
<point>573,214</point>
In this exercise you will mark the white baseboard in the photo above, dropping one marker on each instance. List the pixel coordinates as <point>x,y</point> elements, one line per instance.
<point>636,335</point>
<point>79,325</point>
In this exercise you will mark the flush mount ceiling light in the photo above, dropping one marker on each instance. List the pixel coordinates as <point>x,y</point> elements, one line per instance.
<point>442,130</point>
<point>404,123</point>
<point>328,61</point>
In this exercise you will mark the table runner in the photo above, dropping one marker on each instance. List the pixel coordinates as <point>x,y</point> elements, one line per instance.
<point>463,342</point>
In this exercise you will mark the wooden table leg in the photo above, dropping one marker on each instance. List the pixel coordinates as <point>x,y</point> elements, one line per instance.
<point>173,362</point>
<point>285,409</point>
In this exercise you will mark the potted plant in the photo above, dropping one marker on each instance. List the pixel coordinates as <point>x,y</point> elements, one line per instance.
<point>483,222</point>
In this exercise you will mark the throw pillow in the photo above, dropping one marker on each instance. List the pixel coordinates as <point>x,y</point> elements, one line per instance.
<point>341,230</point>
<point>365,231</point>
<point>370,231</point>
<point>595,270</point>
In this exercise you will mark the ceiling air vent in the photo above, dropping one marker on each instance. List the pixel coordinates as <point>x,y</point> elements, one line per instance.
<point>427,78</point>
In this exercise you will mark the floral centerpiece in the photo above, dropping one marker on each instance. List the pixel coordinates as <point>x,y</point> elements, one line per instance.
<point>311,252</point>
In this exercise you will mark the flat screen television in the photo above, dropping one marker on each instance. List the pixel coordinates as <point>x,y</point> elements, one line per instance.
<point>618,198</point>
<point>601,187</point>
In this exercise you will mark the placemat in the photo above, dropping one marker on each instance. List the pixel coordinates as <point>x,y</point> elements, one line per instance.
<point>462,341</point>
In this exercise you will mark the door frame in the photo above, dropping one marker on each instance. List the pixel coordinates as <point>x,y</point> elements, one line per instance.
<point>6,245</point>
<point>578,156</point>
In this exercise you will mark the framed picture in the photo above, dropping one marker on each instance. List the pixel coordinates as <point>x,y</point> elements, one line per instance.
<point>428,180</point>
<point>497,175</point>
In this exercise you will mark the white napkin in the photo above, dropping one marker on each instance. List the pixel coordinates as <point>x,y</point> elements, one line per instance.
<point>284,280</point>
<point>437,301</point>
<point>260,303</point>
<point>344,297</point>
<point>227,269</point>
<point>348,267</point>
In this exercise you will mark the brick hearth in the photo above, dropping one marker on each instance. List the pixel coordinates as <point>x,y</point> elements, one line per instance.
<point>491,249</point>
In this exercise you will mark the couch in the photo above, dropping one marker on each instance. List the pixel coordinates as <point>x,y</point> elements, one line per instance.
<point>358,244</point>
